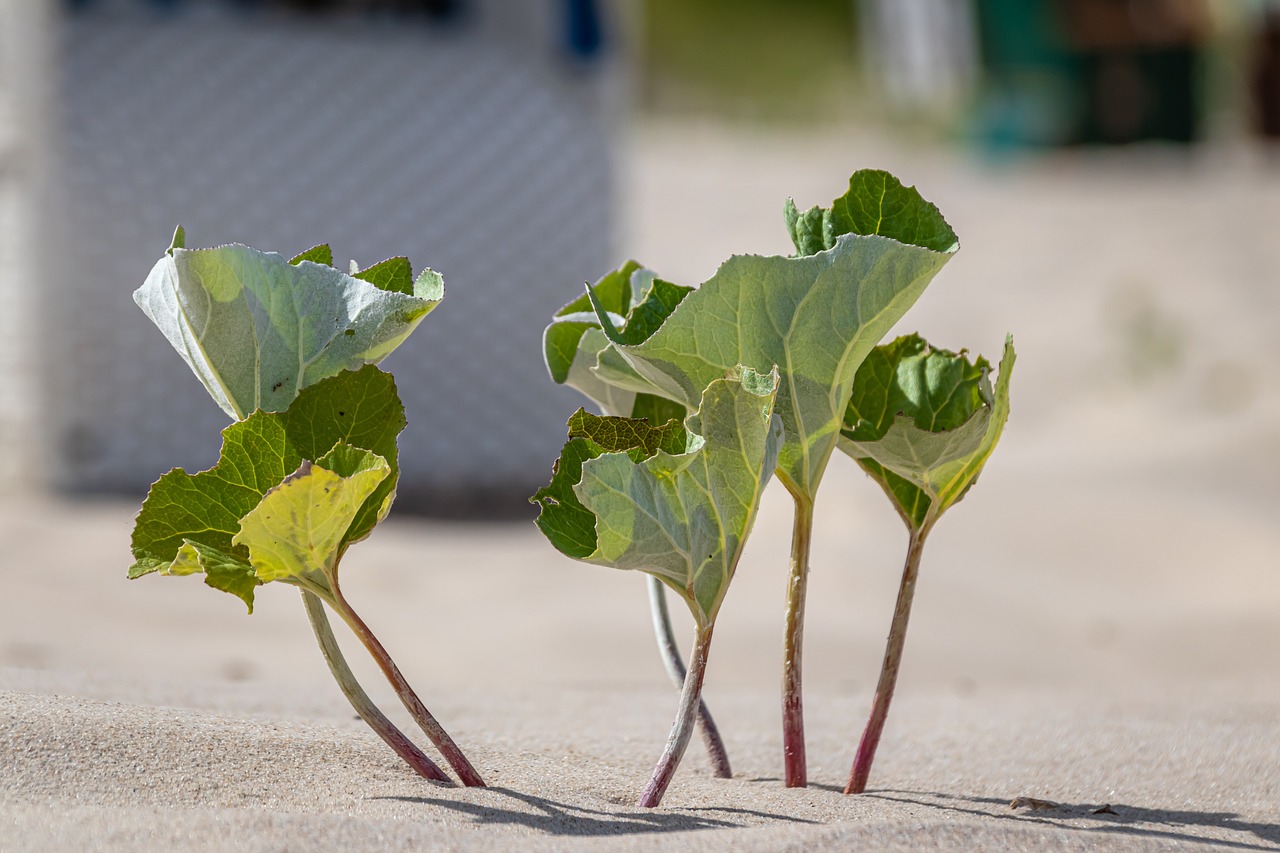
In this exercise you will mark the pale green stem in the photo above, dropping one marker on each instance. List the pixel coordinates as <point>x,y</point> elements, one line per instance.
<point>683,727</point>
<point>670,652</point>
<point>433,730</point>
<point>360,700</point>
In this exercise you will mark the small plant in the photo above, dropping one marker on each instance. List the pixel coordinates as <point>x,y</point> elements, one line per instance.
<point>922,422</point>
<point>859,266</point>
<point>570,346</point>
<point>676,501</point>
<point>310,464</point>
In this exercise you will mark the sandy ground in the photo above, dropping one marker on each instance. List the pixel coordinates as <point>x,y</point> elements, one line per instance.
<point>1097,623</point>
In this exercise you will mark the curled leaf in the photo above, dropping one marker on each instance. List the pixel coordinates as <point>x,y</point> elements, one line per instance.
<point>257,329</point>
<point>574,342</point>
<point>676,502</point>
<point>923,422</point>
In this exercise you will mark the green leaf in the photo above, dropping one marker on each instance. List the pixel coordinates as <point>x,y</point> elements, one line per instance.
<point>221,570</point>
<point>635,436</point>
<point>257,330</point>
<point>923,422</point>
<point>805,228</point>
<point>876,203</point>
<point>564,520</point>
<point>675,502</point>
<point>393,275</point>
<point>189,522</point>
<point>301,525</point>
<point>657,410</point>
<point>573,343</point>
<point>939,389</point>
<point>320,254</point>
<point>816,317</point>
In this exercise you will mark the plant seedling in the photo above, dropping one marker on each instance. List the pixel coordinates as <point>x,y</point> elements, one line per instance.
<point>570,346</point>
<point>675,501</point>
<point>861,265</point>
<point>922,422</point>
<point>310,464</point>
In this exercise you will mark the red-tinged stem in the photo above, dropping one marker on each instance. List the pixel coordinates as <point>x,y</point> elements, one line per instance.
<point>889,671</point>
<point>716,752</point>
<point>433,730</point>
<point>792,692</point>
<point>360,701</point>
<point>682,730</point>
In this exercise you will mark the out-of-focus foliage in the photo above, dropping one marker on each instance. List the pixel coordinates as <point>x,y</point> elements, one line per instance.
<point>751,59</point>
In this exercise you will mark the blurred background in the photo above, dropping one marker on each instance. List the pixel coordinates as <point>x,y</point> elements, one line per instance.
<point>1112,168</point>
<point>503,144</point>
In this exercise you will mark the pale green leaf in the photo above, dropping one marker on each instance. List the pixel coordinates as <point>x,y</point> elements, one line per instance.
<point>573,343</point>
<point>806,229</point>
<point>677,504</point>
<point>300,526</point>
<point>862,264</point>
<point>923,422</point>
<point>815,317</point>
<point>257,329</point>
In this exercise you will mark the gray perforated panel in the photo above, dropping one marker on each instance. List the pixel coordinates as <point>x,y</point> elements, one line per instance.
<point>472,150</point>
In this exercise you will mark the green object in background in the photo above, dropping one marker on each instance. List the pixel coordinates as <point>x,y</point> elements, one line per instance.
<point>753,59</point>
<point>1058,76</point>
<point>1031,89</point>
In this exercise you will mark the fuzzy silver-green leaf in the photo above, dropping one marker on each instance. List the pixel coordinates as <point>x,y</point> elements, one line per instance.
<point>257,329</point>
<point>678,506</point>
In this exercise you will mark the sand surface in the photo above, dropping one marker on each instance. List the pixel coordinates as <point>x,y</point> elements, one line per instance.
<point>1098,623</point>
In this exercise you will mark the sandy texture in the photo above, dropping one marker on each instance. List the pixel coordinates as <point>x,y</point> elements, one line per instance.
<point>1097,623</point>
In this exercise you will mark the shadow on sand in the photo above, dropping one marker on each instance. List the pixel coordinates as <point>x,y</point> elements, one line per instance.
<point>1132,821</point>
<point>555,818</point>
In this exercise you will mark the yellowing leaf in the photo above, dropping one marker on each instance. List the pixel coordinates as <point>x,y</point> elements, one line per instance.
<point>300,526</point>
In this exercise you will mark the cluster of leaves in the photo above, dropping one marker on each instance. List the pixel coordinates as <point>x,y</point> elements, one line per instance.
<point>643,347</point>
<point>309,465</point>
<point>290,493</point>
<point>676,501</point>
